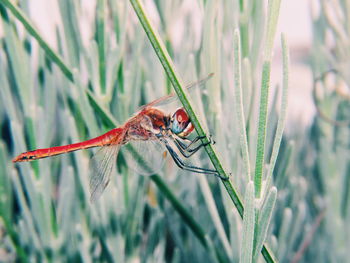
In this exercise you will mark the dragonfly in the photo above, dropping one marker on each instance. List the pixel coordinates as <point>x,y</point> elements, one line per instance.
<point>150,128</point>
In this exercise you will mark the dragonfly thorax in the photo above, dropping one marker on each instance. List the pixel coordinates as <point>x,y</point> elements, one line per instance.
<point>181,123</point>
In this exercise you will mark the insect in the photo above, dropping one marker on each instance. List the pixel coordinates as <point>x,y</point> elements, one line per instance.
<point>151,128</point>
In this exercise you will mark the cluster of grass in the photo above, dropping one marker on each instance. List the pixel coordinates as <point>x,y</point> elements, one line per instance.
<point>53,97</point>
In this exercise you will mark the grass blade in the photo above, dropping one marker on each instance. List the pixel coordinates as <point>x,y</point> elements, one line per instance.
<point>264,221</point>
<point>246,255</point>
<point>208,196</point>
<point>239,102</point>
<point>283,113</point>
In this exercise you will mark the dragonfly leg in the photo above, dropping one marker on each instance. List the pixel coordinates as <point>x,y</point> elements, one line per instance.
<point>182,165</point>
<point>189,152</point>
<point>185,150</point>
<point>184,146</point>
<point>210,141</point>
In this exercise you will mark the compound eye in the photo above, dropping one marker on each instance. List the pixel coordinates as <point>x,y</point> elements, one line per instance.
<point>181,115</point>
<point>180,121</point>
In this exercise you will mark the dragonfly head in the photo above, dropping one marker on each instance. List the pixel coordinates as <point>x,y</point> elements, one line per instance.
<point>181,124</point>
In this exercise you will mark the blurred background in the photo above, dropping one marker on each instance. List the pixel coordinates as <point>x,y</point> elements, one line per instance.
<point>45,212</point>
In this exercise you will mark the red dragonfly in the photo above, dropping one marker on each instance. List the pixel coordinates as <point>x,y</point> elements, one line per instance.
<point>148,129</point>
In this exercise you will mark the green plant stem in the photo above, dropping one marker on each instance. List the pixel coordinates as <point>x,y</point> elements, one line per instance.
<point>169,68</point>
<point>34,33</point>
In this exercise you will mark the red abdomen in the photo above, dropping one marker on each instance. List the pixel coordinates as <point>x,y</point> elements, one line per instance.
<point>112,137</point>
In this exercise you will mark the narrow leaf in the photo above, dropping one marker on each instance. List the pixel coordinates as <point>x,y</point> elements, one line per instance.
<point>239,102</point>
<point>246,255</point>
<point>264,221</point>
<point>283,113</point>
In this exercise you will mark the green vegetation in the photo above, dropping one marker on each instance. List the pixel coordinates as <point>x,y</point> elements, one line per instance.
<point>296,188</point>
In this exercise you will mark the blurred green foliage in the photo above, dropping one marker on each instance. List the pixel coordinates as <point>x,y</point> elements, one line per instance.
<point>89,84</point>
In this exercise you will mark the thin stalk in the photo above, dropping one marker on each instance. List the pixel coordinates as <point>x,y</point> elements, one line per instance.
<point>239,103</point>
<point>283,113</point>
<point>169,68</point>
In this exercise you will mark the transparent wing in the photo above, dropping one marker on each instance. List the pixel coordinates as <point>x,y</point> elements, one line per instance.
<point>145,157</point>
<point>102,165</point>
<point>172,97</point>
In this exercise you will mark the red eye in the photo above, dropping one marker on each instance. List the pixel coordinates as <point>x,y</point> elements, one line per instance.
<point>181,115</point>
<point>180,122</point>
